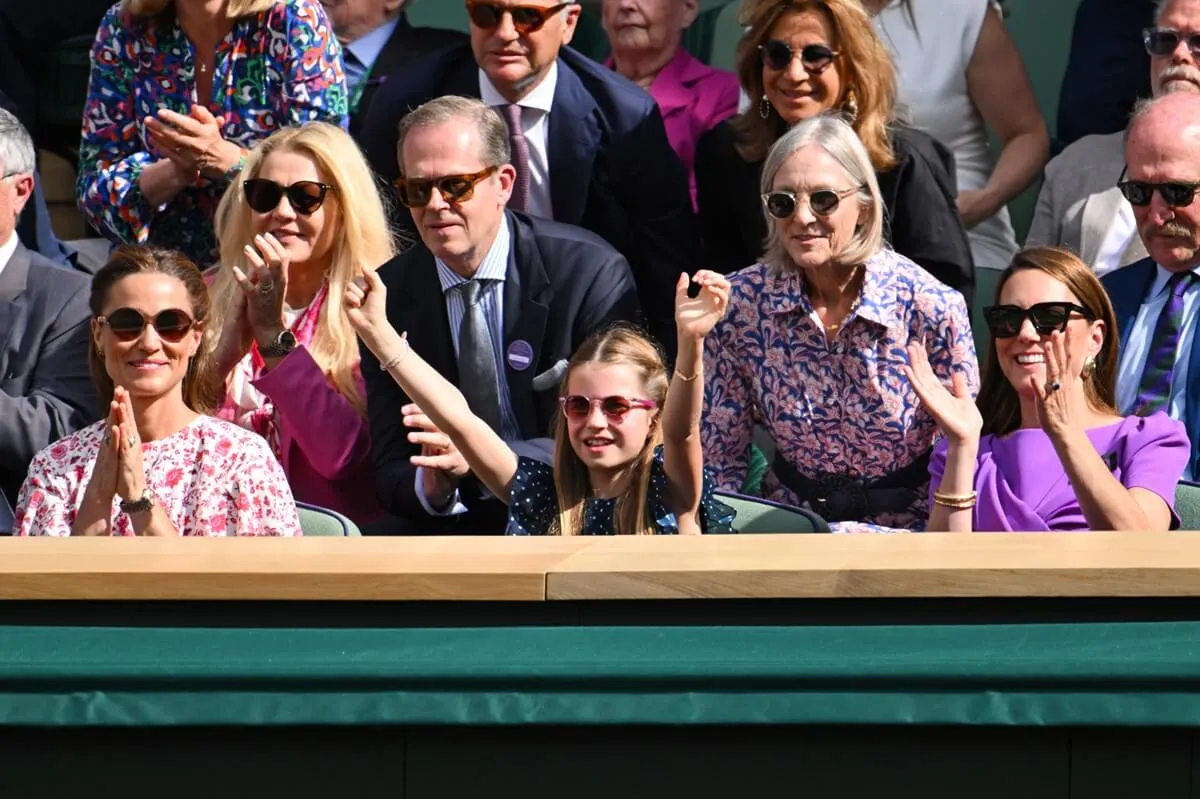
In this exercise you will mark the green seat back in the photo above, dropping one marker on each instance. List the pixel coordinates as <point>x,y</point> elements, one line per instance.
<point>322,522</point>
<point>756,515</point>
<point>1187,505</point>
<point>450,14</point>
<point>726,34</point>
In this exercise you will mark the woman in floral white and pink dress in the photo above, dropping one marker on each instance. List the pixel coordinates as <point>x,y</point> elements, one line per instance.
<point>158,465</point>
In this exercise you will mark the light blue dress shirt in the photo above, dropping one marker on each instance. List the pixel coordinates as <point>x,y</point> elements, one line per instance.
<point>361,54</point>
<point>1137,348</point>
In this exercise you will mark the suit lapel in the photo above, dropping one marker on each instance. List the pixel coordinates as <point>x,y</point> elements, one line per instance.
<point>422,306</point>
<point>525,313</point>
<point>1099,212</point>
<point>13,279</point>
<point>572,143</point>
<point>1128,287</point>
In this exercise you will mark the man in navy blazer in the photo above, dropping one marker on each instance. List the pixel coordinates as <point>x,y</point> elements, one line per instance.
<point>45,391</point>
<point>545,287</point>
<point>599,154</point>
<point>1160,147</point>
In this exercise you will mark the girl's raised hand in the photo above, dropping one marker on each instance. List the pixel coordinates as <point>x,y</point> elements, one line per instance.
<point>696,316</point>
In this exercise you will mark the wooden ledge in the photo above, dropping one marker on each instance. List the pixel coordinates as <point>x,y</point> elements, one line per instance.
<point>879,565</point>
<point>534,569</point>
<point>426,568</point>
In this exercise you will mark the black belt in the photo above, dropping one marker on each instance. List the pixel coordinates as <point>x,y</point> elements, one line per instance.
<point>842,498</point>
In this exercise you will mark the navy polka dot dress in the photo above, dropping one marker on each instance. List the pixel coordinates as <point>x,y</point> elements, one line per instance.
<point>533,507</point>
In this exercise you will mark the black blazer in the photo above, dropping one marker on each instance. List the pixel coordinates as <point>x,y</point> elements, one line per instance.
<point>405,46</point>
<point>921,218</point>
<point>45,391</point>
<point>612,170</point>
<point>563,283</point>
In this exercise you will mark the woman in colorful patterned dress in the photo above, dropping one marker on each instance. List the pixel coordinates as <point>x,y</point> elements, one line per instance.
<point>1044,448</point>
<point>179,93</point>
<point>627,453</point>
<point>158,465</point>
<point>814,344</point>
<point>305,221</point>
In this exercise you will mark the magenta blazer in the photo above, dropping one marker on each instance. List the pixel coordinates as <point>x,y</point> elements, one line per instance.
<point>692,98</point>
<point>325,443</point>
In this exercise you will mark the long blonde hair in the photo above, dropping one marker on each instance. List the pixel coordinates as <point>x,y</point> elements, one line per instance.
<point>867,73</point>
<point>625,345</point>
<point>235,8</point>
<point>362,240</point>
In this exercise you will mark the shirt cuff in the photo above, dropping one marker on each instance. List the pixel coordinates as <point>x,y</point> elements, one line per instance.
<point>453,508</point>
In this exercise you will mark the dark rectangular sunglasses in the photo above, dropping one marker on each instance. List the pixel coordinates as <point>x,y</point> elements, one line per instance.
<point>778,54</point>
<point>526,19</point>
<point>1176,194</point>
<point>781,204</point>
<point>416,193</point>
<point>577,406</point>
<point>1005,321</point>
<point>305,196</point>
<point>127,324</point>
<point>1163,41</point>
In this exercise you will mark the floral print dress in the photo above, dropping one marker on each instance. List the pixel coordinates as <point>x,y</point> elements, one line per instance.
<point>843,407</point>
<point>212,478</point>
<point>274,69</point>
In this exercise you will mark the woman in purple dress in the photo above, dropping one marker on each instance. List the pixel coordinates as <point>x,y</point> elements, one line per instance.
<point>1044,448</point>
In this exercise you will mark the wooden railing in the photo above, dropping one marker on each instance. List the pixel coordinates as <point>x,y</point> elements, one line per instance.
<point>540,569</point>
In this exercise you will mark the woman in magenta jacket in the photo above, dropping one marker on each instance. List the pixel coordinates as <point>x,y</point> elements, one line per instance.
<point>300,223</point>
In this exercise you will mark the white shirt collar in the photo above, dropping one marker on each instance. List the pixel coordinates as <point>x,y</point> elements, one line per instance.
<point>366,48</point>
<point>541,98</point>
<point>7,249</point>
<point>493,267</point>
<point>1161,277</point>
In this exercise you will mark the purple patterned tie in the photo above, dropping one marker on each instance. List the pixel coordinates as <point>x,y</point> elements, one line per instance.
<point>1154,391</point>
<point>519,201</point>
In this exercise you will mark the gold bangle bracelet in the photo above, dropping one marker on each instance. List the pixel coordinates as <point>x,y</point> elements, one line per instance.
<point>955,501</point>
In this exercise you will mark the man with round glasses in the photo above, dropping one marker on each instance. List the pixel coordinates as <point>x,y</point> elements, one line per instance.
<point>45,391</point>
<point>589,147</point>
<point>1080,207</point>
<point>1157,299</point>
<point>496,300</point>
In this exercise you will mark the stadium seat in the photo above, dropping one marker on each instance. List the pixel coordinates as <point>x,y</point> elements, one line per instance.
<point>1187,505</point>
<point>755,515</point>
<point>315,521</point>
<point>725,36</point>
<point>438,14</point>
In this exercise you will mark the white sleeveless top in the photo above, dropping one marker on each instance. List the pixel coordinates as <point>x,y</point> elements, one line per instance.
<point>931,66</point>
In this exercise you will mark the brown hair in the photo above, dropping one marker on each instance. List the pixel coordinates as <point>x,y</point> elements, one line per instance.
<point>998,402</point>
<point>493,130</point>
<point>201,385</point>
<point>867,74</point>
<point>618,344</point>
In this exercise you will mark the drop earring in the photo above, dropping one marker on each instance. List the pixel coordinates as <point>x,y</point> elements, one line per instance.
<point>1089,367</point>
<point>850,107</point>
<point>764,107</point>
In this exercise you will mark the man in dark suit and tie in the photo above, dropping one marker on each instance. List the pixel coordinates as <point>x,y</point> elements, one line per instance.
<point>590,147</point>
<point>45,392</point>
<point>378,43</point>
<point>1157,300</point>
<point>496,300</point>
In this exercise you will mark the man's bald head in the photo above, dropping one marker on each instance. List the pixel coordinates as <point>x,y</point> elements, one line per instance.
<point>1161,144</point>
